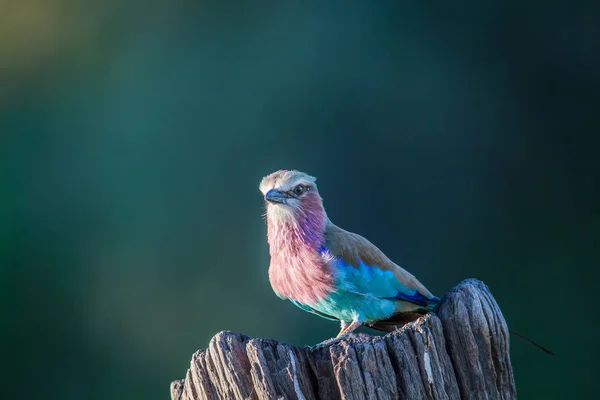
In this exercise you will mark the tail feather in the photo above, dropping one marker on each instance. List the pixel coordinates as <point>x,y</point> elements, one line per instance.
<point>539,346</point>
<point>398,320</point>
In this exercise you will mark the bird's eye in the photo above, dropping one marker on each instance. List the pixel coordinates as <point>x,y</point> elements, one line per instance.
<point>299,190</point>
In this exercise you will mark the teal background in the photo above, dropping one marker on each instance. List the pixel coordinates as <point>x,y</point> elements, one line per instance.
<point>460,138</point>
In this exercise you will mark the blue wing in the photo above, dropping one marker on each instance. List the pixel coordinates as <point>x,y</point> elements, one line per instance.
<point>362,268</point>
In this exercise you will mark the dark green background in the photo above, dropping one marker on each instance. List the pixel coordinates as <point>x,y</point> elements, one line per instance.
<point>460,138</point>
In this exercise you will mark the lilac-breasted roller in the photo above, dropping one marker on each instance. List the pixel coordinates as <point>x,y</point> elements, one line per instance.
<point>328,271</point>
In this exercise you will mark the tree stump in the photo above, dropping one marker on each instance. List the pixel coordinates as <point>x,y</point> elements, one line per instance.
<point>459,351</point>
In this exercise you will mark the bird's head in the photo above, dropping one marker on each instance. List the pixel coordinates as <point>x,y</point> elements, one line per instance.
<point>291,194</point>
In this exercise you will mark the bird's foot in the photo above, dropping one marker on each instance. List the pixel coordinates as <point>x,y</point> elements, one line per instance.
<point>345,332</point>
<point>327,343</point>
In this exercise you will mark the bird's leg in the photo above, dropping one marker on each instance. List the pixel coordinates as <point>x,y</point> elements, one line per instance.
<point>348,329</point>
<point>343,326</point>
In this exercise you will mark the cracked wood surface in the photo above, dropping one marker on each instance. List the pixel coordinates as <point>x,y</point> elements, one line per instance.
<point>459,351</point>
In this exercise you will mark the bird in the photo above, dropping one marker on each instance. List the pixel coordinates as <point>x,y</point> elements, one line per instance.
<point>328,271</point>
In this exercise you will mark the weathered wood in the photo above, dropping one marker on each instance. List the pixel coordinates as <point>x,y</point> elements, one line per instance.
<point>460,351</point>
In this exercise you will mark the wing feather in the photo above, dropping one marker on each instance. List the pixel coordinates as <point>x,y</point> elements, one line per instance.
<point>354,249</point>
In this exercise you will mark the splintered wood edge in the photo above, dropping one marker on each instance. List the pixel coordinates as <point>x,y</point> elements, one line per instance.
<point>460,350</point>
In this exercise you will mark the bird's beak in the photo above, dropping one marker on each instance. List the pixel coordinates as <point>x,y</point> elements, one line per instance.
<point>275,196</point>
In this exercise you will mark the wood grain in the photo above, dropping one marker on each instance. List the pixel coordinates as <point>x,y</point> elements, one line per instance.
<point>459,351</point>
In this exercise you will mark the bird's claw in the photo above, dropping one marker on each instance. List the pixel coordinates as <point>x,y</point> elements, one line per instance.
<point>327,343</point>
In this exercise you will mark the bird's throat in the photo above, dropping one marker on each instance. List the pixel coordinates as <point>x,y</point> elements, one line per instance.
<point>296,228</point>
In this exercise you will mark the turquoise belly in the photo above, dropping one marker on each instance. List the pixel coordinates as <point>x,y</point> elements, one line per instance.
<point>348,306</point>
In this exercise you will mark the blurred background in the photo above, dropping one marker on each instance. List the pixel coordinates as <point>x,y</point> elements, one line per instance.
<point>133,136</point>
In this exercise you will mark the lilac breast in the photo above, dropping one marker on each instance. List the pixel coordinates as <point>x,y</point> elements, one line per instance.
<point>297,270</point>
<point>304,278</point>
